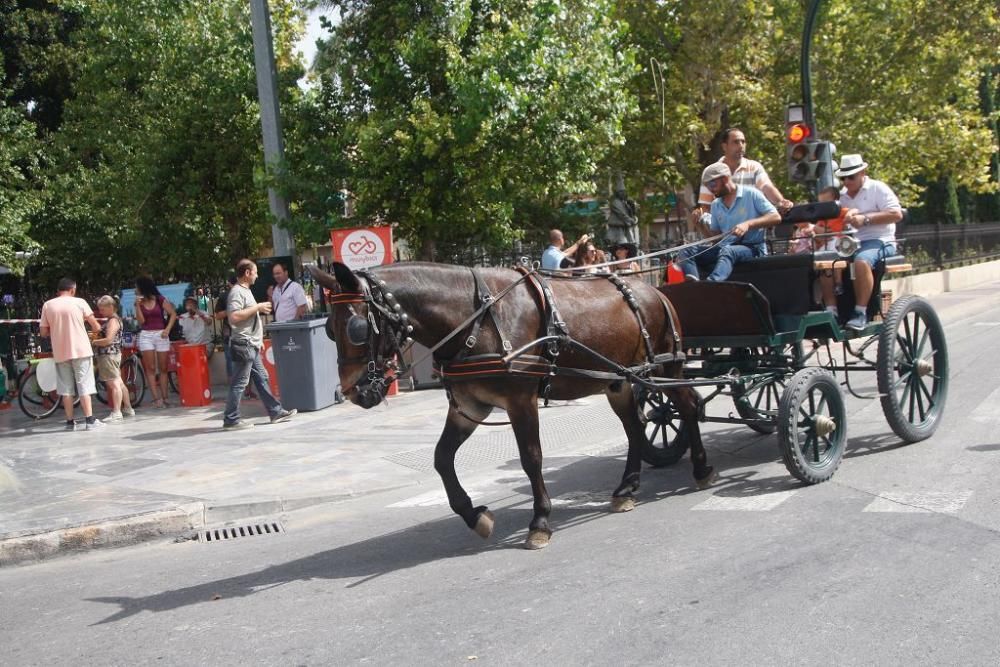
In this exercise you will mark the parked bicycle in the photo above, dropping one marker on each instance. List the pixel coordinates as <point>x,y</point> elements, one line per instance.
<point>38,398</point>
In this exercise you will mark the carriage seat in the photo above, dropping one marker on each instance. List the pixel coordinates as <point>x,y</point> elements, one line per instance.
<point>784,280</point>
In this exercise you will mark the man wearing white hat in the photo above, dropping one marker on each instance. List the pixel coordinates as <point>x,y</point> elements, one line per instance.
<point>878,211</point>
<point>740,212</point>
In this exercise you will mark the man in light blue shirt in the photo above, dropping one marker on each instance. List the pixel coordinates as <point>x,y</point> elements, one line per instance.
<point>553,256</point>
<point>742,211</point>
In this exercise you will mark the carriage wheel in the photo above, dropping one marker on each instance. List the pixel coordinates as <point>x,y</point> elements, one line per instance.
<point>761,402</point>
<point>812,425</point>
<point>912,369</point>
<point>666,436</point>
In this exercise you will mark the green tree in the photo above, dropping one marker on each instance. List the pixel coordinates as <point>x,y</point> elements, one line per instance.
<point>157,165</point>
<point>455,112</point>
<point>895,80</point>
<point>20,152</point>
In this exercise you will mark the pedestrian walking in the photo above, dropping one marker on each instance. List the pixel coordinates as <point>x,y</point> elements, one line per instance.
<point>64,320</point>
<point>245,344</point>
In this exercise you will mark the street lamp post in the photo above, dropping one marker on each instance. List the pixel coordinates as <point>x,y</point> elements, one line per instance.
<point>270,118</point>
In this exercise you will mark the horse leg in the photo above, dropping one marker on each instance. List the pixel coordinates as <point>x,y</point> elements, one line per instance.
<point>688,404</point>
<point>457,430</point>
<point>523,413</point>
<point>623,402</point>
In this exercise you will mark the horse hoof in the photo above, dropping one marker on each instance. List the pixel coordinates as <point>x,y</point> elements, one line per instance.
<point>707,481</point>
<point>622,504</point>
<point>484,524</point>
<point>537,539</point>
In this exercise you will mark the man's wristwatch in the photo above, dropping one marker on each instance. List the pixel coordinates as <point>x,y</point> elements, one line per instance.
<point>866,221</point>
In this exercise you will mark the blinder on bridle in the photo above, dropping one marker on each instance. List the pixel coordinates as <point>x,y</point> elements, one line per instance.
<point>357,330</point>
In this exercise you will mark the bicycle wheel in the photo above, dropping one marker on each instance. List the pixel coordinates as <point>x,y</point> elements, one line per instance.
<point>34,401</point>
<point>134,378</point>
<point>172,378</point>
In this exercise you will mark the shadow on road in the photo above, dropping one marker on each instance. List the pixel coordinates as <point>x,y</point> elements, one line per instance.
<point>586,480</point>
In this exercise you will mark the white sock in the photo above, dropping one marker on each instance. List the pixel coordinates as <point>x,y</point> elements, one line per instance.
<point>858,310</point>
<point>832,309</point>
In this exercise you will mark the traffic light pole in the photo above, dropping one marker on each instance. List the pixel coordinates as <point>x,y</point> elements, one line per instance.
<point>826,175</point>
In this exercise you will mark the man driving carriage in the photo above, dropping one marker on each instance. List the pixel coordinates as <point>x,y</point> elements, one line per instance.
<point>876,212</point>
<point>743,213</point>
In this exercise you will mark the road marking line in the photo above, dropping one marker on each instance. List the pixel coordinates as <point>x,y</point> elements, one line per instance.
<point>986,324</point>
<point>764,502</point>
<point>986,412</point>
<point>947,502</point>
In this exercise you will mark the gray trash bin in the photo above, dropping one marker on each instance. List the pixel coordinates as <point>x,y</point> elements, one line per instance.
<point>306,359</point>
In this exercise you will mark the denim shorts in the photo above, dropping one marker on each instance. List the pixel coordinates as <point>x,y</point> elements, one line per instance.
<point>873,251</point>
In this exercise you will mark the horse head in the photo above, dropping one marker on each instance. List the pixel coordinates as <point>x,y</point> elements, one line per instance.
<point>369,330</point>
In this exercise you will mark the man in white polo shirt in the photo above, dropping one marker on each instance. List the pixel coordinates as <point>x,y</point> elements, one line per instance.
<point>288,298</point>
<point>878,211</point>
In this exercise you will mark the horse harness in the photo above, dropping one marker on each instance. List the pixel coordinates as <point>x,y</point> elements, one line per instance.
<point>542,368</point>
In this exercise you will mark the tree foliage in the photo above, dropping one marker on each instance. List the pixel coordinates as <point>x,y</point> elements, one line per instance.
<point>453,113</point>
<point>156,165</point>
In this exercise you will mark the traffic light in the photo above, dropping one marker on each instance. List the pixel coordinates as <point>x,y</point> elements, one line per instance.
<point>809,161</point>
<point>799,136</point>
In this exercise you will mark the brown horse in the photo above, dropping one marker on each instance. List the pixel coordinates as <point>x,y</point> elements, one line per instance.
<point>376,311</point>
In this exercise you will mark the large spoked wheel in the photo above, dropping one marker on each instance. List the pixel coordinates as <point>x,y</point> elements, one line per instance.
<point>666,436</point>
<point>35,402</point>
<point>760,402</point>
<point>812,425</point>
<point>912,369</point>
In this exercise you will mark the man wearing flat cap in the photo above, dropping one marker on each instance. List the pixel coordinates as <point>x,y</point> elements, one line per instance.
<point>745,172</point>
<point>877,212</point>
<point>742,213</point>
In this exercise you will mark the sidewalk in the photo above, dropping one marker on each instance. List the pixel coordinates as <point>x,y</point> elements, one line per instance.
<point>168,473</point>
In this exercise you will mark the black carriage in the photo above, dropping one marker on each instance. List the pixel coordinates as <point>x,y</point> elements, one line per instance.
<point>782,359</point>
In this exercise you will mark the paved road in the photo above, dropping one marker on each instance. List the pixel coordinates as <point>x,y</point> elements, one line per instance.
<point>892,562</point>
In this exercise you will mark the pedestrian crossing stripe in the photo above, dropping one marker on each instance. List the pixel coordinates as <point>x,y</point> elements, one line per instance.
<point>762,502</point>
<point>946,502</point>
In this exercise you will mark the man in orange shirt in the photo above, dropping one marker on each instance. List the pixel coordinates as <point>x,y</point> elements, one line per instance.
<point>63,319</point>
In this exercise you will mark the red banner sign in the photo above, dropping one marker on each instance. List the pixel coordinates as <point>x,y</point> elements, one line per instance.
<point>362,247</point>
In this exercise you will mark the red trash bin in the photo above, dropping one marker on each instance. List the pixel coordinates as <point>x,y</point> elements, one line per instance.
<point>192,376</point>
<point>267,357</point>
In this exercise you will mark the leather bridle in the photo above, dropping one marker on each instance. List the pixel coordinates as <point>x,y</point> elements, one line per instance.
<point>383,331</point>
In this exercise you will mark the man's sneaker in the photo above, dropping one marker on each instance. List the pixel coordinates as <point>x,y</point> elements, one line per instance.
<point>128,412</point>
<point>237,426</point>
<point>690,278</point>
<point>114,418</point>
<point>283,416</point>
<point>94,425</point>
<point>858,322</point>
<point>70,425</point>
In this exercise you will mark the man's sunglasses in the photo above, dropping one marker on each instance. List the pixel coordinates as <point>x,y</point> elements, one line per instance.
<point>850,178</point>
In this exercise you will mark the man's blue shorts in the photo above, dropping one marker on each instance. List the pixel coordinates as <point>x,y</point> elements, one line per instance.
<point>874,251</point>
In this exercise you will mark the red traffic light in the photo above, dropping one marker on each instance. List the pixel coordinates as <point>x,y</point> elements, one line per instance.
<point>798,132</point>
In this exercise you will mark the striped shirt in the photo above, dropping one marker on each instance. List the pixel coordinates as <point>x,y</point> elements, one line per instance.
<point>750,174</point>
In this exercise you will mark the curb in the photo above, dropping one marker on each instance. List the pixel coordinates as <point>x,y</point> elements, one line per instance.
<point>179,523</point>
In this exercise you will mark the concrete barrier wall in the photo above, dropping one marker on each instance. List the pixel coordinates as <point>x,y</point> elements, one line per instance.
<point>949,280</point>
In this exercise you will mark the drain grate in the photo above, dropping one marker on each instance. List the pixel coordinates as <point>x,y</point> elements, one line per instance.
<point>237,532</point>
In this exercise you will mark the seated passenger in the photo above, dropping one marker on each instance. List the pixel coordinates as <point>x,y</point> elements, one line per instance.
<point>877,211</point>
<point>835,282</point>
<point>742,212</point>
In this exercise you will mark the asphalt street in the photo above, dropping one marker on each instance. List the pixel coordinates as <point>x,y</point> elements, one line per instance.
<point>893,562</point>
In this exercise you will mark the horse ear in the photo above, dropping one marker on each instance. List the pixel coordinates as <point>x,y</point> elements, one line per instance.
<point>348,281</point>
<point>344,279</point>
